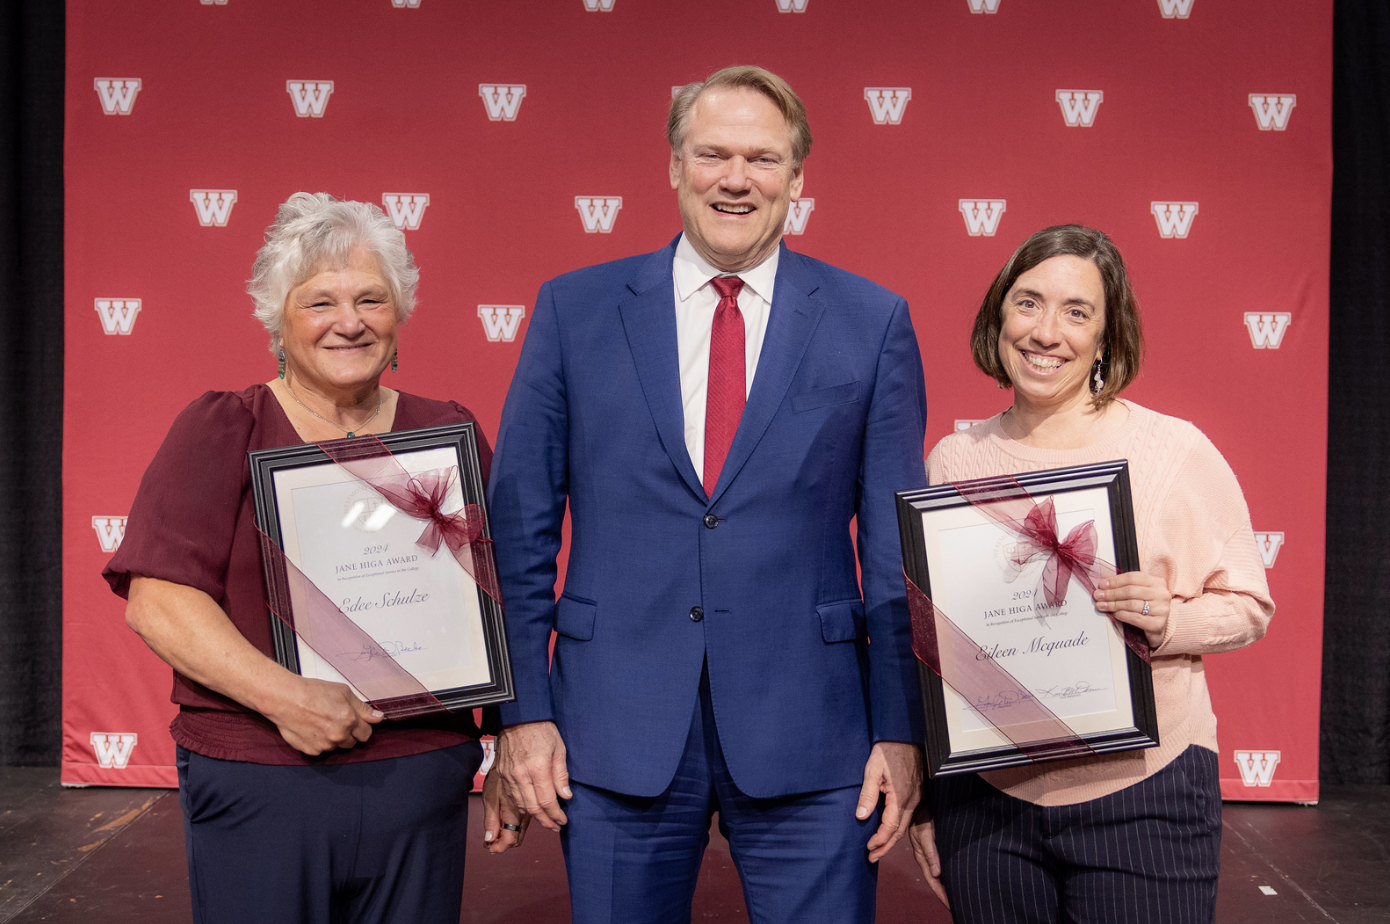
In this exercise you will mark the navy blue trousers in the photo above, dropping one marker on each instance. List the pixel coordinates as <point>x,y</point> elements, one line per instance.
<point>379,841</point>
<point>1150,852</point>
<point>801,858</point>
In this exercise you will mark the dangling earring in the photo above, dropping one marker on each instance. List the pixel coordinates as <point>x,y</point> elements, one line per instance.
<point>282,362</point>
<point>1097,381</point>
<point>394,357</point>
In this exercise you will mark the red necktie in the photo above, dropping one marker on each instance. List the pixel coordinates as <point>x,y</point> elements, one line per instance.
<point>727,388</point>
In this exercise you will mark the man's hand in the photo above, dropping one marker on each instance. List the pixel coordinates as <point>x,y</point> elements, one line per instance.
<point>894,770</point>
<point>531,759</point>
<point>923,836</point>
<point>499,810</point>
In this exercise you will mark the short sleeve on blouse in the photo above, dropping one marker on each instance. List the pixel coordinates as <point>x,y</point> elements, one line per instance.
<point>181,524</point>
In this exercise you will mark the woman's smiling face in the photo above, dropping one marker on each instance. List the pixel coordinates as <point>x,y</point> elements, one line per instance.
<point>1053,323</point>
<point>340,325</point>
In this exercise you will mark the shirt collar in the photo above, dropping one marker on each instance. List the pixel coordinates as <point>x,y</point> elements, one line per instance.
<point>690,271</point>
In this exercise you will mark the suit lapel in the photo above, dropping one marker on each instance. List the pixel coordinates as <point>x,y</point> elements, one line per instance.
<point>649,320</point>
<point>792,320</point>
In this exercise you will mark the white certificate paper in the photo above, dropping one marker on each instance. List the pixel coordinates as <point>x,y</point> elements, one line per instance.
<point>1071,659</point>
<point>422,608</point>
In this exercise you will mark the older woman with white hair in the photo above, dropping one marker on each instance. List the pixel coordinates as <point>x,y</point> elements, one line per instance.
<point>299,803</point>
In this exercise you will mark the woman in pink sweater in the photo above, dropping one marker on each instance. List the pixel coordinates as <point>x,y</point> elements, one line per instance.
<point>1132,836</point>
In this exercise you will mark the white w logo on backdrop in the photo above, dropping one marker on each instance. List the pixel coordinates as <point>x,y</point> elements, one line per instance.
<point>1174,218</point>
<point>113,748</point>
<point>1257,767</point>
<point>502,100</point>
<point>1079,107</point>
<point>310,97</point>
<point>1267,328</point>
<point>500,322</point>
<point>406,209</point>
<point>117,314</point>
<point>1272,110</point>
<point>598,6</point>
<point>110,532</point>
<point>984,6</point>
<point>598,212</point>
<point>117,94</point>
<point>796,216</point>
<point>982,216</point>
<point>886,104</point>
<point>1175,9</point>
<point>214,206</point>
<point>406,4</point>
<point>792,6</point>
<point>1269,545</point>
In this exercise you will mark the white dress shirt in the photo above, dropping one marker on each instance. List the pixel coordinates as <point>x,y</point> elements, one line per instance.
<point>696,300</point>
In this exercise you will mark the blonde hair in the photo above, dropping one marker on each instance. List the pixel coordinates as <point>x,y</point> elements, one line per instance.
<point>749,77</point>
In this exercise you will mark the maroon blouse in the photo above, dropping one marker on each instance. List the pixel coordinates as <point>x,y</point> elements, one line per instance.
<point>193,522</point>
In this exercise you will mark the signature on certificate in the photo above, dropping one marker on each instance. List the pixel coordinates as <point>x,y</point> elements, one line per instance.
<point>1002,700</point>
<point>392,649</point>
<point>1071,691</point>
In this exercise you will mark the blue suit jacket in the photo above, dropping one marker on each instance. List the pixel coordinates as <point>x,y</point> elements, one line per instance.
<point>833,426</point>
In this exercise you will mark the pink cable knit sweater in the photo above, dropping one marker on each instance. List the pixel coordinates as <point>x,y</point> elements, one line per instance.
<point>1194,531</point>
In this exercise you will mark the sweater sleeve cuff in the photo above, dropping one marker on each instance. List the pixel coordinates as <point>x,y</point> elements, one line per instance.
<point>1186,630</point>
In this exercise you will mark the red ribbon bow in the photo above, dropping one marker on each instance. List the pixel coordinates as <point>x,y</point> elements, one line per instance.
<point>1010,505</point>
<point>1076,555</point>
<point>326,629</point>
<point>422,496</point>
<point>960,662</point>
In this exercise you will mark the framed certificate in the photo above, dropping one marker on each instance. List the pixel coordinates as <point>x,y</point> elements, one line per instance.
<point>362,553</point>
<point>1068,662</point>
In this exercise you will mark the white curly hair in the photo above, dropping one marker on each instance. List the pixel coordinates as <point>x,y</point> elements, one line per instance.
<point>314,230</point>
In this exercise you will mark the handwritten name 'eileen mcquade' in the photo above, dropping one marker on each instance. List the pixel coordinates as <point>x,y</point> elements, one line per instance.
<point>388,599</point>
<point>1039,644</point>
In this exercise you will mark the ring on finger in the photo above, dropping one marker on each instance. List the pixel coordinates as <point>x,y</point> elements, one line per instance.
<point>508,826</point>
<point>1145,610</point>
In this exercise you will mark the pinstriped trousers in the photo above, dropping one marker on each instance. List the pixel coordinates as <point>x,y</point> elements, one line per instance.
<point>1148,853</point>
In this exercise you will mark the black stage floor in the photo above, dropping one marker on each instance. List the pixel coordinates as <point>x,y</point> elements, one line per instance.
<point>117,855</point>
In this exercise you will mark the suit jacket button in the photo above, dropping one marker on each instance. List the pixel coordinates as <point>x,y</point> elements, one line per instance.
<point>697,613</point>
<point>711,521</point>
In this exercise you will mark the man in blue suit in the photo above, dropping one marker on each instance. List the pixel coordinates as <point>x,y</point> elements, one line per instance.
<point>716,414</point>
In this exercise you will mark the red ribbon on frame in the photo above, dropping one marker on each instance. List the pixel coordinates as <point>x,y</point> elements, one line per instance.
<point>968,669</point>
<point>334,637</point>
<point>422,496</point>
<point>986,685</point>
<point>1009,504</point>
<point>327,630</point>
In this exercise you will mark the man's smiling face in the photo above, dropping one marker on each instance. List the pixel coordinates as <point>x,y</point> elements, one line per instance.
<point>734,177</point>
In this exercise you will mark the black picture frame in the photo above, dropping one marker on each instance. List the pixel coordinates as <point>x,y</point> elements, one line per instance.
<point>308,460</point>
<point>917,510</point>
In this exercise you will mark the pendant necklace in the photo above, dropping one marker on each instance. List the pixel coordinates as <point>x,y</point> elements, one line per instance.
<point>350,433</point>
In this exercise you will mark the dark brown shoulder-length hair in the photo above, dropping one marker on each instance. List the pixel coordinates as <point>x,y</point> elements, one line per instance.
<point>1123,334</point>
